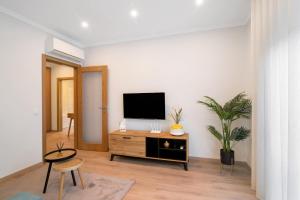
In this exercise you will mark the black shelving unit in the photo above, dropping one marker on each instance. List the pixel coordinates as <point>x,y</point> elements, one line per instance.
<point>176,151</point>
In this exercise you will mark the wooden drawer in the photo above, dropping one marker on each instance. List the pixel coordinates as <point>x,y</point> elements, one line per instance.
<point>127,145</point>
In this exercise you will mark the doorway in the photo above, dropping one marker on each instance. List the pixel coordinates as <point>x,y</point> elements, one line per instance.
<point>54,132</point>
<point>79,122</point>
<point>65,102</point>
<point>59,100</point>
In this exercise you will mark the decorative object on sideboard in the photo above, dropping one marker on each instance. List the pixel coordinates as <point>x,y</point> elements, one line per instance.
<point>155,127</point>
<point>123,125</point>
<point>177,128</point>
<point>238,107</point>
<point>59,146</point>
<point>166,144</point>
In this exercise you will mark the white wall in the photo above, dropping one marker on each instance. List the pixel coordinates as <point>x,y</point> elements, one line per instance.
<point>67,101</point>
<point>293,164</point>
<point>249,81</point>
<point>21,48</point>
<point>186,67</point>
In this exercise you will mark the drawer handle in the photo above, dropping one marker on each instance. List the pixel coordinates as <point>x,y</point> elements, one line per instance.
<point>127,138</point>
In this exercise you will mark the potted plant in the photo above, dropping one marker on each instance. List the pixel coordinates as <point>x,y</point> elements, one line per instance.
<point>177,128</point>
<point>236,108</point>
<point>60,146</point>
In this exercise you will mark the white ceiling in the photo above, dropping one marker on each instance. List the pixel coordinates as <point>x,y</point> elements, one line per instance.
<point>110,22</point>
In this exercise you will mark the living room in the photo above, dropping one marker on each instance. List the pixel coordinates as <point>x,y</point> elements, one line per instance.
<point>169,100</point>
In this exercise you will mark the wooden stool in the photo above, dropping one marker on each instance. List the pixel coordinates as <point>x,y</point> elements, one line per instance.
<point>68,166</point>
<point>71,116</point>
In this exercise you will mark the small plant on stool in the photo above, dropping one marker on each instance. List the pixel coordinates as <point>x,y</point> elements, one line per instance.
<point>59,146</point>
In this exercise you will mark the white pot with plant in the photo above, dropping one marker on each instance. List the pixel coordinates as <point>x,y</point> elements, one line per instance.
<point>176,128</point>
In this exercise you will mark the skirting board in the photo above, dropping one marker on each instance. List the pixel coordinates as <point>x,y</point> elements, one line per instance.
<point>21,172</point>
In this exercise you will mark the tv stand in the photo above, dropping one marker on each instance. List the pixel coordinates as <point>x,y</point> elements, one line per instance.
<point>143,144</point>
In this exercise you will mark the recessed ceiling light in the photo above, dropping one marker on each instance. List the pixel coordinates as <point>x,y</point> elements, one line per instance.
<point>134,13</point>
<point>84,24</point>
<point>199,2</point>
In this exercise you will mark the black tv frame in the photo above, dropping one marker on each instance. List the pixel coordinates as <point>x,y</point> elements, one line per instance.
<point>160,116</point>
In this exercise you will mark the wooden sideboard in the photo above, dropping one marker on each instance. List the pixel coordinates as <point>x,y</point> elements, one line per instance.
<point>144,144</point>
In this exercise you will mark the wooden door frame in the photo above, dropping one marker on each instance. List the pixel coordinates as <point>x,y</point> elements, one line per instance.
<point>103,70</point>
<point>76,67</point>
<point>59,100</point>
<point>50,100</point>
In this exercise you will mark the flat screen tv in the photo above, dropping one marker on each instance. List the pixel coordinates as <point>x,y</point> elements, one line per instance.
<point>144,105</point>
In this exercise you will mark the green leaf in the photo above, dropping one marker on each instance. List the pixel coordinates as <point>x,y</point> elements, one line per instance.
<point>225,128</point>
<point>213,106</point>
<point>238,107</point>
<point>176,115</point>
<point>214,132</point>
<point>234,101</point>
<point>239,134</point>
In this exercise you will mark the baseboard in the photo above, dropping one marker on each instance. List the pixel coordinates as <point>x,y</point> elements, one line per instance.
<point>21,172</point>
<point>249,167</point>
<point>259,197</point>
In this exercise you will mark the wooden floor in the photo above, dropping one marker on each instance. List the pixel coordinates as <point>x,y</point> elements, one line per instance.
<point>164,180</point>
<point>52,138</point>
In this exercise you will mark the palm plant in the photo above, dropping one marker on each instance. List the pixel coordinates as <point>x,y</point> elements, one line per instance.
<point>176,116</point>
<point>236,108</point>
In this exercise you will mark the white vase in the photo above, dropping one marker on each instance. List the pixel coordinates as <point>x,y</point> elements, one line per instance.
<point>123,126</point>
<point>177,132</point>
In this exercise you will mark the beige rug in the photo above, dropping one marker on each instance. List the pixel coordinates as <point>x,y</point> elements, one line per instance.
<point>97,187</point>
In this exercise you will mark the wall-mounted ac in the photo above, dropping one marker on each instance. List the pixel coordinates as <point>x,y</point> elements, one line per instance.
<point>61,49</point>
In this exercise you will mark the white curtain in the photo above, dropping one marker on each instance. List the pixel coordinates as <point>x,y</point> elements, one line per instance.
<point>276,118</point>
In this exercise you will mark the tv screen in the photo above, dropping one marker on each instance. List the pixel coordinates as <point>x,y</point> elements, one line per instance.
<point>144,105</point>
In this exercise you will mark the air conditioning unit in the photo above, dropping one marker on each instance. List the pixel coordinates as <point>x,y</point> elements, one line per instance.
<point>62,49</point>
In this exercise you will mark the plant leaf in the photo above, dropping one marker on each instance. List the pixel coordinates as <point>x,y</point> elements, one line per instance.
<point>214,132</point>
<point>239,134</point>
<point>213,106</point>
<point>238,107</point>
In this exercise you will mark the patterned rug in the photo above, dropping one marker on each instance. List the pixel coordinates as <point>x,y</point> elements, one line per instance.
<point>97,187</point>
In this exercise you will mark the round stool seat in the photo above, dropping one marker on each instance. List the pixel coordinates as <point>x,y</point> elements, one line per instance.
<point>68,165</point>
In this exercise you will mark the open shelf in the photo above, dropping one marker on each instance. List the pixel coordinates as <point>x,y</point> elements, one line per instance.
<point>170,149</point>
<point>152,147</point>
<point>155,148</point>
